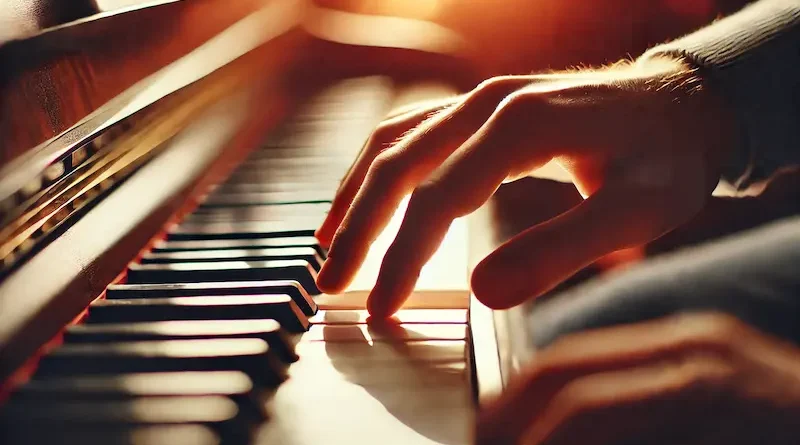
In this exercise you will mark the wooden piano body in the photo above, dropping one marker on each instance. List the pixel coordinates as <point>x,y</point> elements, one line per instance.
<point>117,126</point>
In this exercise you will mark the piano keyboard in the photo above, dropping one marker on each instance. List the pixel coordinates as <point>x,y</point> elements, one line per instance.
<point>219,335</point>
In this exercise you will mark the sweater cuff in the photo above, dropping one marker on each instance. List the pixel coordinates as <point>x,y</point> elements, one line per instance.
<point>753,58</point>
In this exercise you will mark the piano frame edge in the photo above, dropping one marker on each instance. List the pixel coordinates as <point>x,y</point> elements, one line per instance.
<point>487,375</point>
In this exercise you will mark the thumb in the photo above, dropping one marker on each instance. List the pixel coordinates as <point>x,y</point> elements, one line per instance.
<point>541,257</point>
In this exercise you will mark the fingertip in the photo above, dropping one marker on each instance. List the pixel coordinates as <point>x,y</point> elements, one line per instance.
<point>491,286</point>
<point>321,234</point>
<point>324,233</point>
<point>483,285</point>
<point>377,309</point>
<point>385,299</point>
<point>377,304</point>
<point>329,279</point>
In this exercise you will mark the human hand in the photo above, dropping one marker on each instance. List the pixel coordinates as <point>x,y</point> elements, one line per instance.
<point>689,379</point>
<point>643,144</point>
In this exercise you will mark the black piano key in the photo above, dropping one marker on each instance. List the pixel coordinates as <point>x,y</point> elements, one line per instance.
<point>208,256</point>
<point>234,385</point>
<point>267,330</point>
<point>273,198</point>
<point>162,290</point>
<point>112,435</point>
<point>243,230</point>
<point>24,418</point>
<point>280,308</point>
<point>294,270</point>
<point>255,243</point>
<point>252,356</point>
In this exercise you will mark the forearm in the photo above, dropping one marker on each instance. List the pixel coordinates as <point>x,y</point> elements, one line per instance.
<point>752,58</point>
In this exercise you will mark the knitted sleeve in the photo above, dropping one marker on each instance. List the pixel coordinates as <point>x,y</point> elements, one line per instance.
<point>753,58</point>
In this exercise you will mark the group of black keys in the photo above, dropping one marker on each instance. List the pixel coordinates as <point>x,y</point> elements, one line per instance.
<point>202,329</point>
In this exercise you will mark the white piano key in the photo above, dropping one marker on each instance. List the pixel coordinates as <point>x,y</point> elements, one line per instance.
<point>359,316</point>
<point>357,393</point>
<point>388,333</point>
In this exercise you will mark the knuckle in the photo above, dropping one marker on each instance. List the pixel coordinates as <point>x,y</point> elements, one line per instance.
<point>385,169</point>
<point>704,373</point>
<point>708,331</point>
<point>721,329</point>
<point>490,91</point>
<point>518,104</point>
<point>492,85</point>
<point>428,195</point>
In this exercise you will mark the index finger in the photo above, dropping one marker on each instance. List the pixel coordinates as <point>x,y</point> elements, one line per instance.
<point>398,170</point>
<point>387,133</point>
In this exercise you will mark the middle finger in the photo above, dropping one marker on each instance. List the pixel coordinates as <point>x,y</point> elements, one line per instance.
<point>398,170</point>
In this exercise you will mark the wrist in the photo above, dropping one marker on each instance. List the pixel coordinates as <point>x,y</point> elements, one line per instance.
<point>702,97</point>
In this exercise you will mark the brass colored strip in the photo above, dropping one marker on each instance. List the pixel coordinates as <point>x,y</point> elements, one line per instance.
<point>115,161</point>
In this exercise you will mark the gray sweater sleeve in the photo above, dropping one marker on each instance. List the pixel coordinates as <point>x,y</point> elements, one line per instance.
<point>753,57</point>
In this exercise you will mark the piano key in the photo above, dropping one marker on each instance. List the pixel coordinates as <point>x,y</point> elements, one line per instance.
<point>277,187</point>
<point>417,394</point>
<point>356,299</point>
<point>123,435</point>
<point>243,230</point>
<point>260,213</point>
<point>275,152</point>
<point>267,330</point>
<point>316,354</point>
<point>234,385</point>
<point>305,166</point>
<point>218,413</point>
<point>295,270</point>
<point>326,174</point>
<point>274,198</point>
<point>280,308</point>
<point>162,290</point>
<point>405,316</point>
<point>255,243</point>
<point>289,253</point>
<point>386,333</point>
<point>252,356</point>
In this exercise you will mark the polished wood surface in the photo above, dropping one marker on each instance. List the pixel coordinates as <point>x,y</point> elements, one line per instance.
<point>54,78</point>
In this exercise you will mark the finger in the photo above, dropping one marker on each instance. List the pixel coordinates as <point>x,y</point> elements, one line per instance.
<point>464,182</point>
<point>617,216</point>
<point>655,402</point>
<point>604,350</point>
<point>398,170</point>
<point>387,133</point>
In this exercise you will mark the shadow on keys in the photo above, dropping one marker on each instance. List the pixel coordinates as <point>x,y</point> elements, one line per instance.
<point>387,361</point>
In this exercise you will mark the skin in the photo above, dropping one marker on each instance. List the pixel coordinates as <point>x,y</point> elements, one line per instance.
<point>644,144</point>
<point>716,380</point>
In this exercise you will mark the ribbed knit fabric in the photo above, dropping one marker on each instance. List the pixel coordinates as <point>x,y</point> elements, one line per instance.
<point>753,57</point>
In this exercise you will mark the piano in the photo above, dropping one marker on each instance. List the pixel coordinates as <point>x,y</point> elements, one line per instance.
<point>164,167</point>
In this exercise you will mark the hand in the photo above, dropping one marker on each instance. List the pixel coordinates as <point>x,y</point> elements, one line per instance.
<point>643,144</point>
<point>691,379</point>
